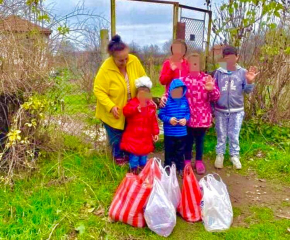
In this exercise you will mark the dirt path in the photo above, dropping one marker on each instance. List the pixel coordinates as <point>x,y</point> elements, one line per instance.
<point>249,191</point>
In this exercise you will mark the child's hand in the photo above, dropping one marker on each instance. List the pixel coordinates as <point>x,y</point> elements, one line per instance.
<point>182,122</point>
<point>155,138</point>
<point>139,108</point>
<point>173,66</point>
<point>163,102</point>
<point>251,75</point>
<point>173,121</point>
<point>209,83</point>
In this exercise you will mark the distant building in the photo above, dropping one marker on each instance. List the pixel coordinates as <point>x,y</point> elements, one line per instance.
<point>23,44</point>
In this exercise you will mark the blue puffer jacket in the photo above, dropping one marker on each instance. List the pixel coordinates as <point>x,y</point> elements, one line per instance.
<point>177,108</point>
<point>232,86</point>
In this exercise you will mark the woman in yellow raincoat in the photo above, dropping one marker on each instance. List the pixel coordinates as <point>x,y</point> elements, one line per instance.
<point>114,86</point>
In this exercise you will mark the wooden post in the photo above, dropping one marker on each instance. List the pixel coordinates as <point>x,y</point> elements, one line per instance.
<point>175,19</point>
<point>208,41</point>
<point>104,43</point>
<point>113,18</point>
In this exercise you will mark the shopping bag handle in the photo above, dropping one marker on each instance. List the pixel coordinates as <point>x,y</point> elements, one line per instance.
<point>188,170</point>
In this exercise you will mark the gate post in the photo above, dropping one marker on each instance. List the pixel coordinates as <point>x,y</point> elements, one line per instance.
<point>208,40</point>
<point>113,18</point>
<point>175,19</point>
<point>104,33</point>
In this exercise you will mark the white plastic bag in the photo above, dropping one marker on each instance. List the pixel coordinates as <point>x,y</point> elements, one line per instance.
<point>216,207</point>
<point>160,214</point>
<point>171,185</point>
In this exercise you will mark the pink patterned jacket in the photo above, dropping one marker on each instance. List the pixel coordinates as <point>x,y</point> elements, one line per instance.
<point>199,101</point>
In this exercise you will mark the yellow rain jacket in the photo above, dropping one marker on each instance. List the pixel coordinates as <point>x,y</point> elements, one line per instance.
<point>111,90</point>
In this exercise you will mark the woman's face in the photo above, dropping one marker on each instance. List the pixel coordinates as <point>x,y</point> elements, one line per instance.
<point>121,58</point>
<point>178,50</point>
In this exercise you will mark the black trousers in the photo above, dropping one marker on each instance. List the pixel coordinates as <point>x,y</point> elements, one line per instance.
<point>194,135</point>
<point>174,151</point>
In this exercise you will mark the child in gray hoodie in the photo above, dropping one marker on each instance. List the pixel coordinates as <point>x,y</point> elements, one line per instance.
<point>233,81</point>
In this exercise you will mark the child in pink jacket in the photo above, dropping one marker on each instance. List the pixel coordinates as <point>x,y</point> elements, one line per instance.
<point>201,91</point>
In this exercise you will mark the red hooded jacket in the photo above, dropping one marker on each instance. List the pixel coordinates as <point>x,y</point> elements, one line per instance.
<point>141,127</point>
<point>167,74</point>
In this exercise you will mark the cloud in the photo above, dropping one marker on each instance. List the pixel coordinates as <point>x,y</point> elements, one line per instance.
<point>141,22</point>
<point>144,34</point>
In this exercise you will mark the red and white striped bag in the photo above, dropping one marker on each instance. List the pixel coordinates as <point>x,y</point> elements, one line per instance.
<point>189,207</point>
<point>132,195</point>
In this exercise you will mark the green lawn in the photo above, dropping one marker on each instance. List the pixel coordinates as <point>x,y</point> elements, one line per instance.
<point>158,90</point>
<point>69,197</point>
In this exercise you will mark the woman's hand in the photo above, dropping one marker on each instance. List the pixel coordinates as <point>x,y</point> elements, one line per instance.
<point>116,112</point>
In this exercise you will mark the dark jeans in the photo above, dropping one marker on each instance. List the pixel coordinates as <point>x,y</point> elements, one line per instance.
<point>194,135</point>
<point>174,151</point>
<point>115,137</point>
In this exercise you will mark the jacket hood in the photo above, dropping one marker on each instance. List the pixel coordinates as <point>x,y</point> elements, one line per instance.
<point>176,83</point>
<point>220,69</point>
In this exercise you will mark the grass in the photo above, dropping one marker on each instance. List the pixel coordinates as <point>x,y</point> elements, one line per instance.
<point>69,195</point>
<point>158,90</point>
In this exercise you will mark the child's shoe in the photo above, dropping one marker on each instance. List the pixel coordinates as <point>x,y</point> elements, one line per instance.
<point>187,162</point>
<point>126,158</point>
<point>180,173</point>
<point>219,161</point>
<point>120,161</point>
<point>140,168</point>
<point>199,166</point>
<point>236,162</point>
<point>134,171</point>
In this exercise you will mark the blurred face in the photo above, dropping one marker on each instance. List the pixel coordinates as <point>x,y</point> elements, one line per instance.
<point>144,96</point>
<point>230,61</point>
<point>178,51</point>
<point>194,64</point>
<point>121,58</point>
<point>177,93</point>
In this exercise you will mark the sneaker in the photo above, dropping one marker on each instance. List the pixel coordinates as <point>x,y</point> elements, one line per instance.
<point>236,162</point>
<point>219,161</point>
<point>200,168</point>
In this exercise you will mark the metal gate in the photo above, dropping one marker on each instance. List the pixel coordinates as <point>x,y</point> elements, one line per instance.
<point>197,23</point>
<point>194,33</point>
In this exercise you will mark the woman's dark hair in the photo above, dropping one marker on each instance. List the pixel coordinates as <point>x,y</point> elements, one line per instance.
<point>116,44</point>
<point>180,41</point>
<point>230,50</point>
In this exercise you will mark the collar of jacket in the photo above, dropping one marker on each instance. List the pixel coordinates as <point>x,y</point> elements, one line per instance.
<point>113,67</point>
<point>226,71</point>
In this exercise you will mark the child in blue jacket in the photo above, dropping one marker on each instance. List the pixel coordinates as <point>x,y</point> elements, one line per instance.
<point>175,115</point>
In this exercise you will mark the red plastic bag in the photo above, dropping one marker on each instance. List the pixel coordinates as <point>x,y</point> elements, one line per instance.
<point>132,195</point>
<point>189,207</point>
<point>152,167</point>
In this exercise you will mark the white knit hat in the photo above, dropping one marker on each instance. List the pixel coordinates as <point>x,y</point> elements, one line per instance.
<point>143,82</point>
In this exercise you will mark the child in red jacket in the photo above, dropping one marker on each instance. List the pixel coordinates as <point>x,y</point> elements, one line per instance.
<point>142,126</point>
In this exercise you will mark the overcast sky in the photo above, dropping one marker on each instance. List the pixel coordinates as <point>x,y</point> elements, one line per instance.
<point>143,23</point>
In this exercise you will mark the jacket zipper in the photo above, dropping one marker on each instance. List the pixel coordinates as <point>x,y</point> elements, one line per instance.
<point>229,88</point>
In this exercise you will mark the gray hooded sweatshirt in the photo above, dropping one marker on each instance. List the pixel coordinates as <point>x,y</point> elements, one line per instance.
<point>232,86</point>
